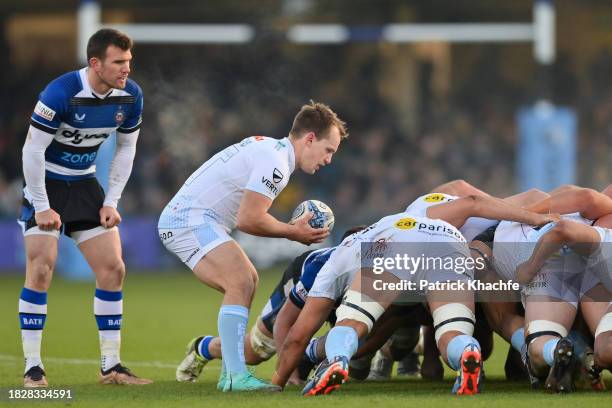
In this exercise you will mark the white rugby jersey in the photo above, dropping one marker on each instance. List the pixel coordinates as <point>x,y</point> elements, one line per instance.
<point>473,225</point>
<point>80,121</point>
<point>515,242</point>
<point>214,191</point>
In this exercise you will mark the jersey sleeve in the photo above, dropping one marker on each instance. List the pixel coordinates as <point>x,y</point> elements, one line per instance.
<point>310,270</point>
<point>269,175</point>
<point>50,109</point>
<point>134,120</point>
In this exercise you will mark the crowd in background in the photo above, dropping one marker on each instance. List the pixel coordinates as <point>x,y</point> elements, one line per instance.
<point>207,98</point>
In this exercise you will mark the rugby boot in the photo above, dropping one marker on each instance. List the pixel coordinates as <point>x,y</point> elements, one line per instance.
<point>561,375</point>
<point>121,375</point>
<point>328,377</point>
<point>468,380</point>
<point>35,378</point>
<point>409,366</point>
<point>191,367</point>
<point>247,382</point>
<point>359,368</point>
<point>381,367</point>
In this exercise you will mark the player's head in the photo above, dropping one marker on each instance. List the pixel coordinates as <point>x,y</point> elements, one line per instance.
<point>109,55</point>
<point>352,230</point>
<point>317,131</point>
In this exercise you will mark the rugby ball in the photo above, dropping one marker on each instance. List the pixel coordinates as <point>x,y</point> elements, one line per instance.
<point>323,217</point>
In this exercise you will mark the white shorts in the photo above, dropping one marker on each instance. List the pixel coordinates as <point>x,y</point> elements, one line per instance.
<point>191,244</point>
<point>600,262</point>
<point>562,276</point>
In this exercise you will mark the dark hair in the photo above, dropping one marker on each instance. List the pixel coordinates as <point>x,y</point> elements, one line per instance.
<point>99,42</point>
<point>318,118</point>
<point>353,230</point>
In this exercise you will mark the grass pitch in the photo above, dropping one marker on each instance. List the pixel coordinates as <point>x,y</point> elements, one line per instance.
<point>161,314</point>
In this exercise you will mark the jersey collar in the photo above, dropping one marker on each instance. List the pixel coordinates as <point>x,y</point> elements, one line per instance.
<point>290,153</point>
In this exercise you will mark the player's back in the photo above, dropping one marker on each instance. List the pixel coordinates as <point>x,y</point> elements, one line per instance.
<point>215,190</point>
<point>470,229</point>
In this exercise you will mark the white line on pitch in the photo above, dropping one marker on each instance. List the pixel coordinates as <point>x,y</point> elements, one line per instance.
<point>78,361</point>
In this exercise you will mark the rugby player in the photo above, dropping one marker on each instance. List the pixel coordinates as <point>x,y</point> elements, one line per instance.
<point>271,325</point>
<point>74,114</point>
<point>454,320</point>
<point>235,189</point>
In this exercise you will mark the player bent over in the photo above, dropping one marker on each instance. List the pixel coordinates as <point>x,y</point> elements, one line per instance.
<point>453,321</point>
<point>75,113</point>
<point>235,189</point>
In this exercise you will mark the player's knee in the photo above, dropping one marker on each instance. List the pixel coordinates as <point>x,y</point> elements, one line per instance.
<point>461,186</point>
<point>40,270</point>
<point>360,315</point>
<point>242,286</point>
<point>587,197</point>
<point>260,345</point>
<point>453,317</point>
<point>603,352</point>
<point>603,341</point>
<point>112,275</point>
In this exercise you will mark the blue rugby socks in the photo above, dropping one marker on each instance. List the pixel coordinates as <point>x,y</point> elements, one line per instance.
<point>341,341</point>
<point>32,316</point>
<point>455,349</point>
<point>232,323</point>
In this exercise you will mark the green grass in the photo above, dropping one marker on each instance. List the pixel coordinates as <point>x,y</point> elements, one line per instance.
<point>161,313</point>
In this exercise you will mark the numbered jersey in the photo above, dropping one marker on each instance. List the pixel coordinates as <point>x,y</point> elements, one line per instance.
<point>214,191</point>
<point>473,225</point>
<point>80,121</point>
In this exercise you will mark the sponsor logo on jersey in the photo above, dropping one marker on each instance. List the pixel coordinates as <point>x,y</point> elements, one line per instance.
<point>75,158</point>
<point>277,176</point>
<point>406,223</point>
<point>430,228</point>
<point>376,249</point>
<point>266,181</point>
<point>44,111</point>
<point>259,138</point>
<point>77,137</point>
<point>436,198</point>
<point>79,118</point>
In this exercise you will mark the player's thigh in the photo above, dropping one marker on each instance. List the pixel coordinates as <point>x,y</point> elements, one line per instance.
<point>549,309</point>
<point>41,254</point>
<point>225,267</point>
<point>102,251</point>
<point>594,305</point>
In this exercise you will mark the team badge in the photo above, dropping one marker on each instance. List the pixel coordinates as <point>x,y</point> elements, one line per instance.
<point>119,116</point>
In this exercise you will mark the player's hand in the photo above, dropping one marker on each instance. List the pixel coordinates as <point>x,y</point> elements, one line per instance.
<point>109,217</point>
<point>48,220</point>
<point>543,219</point>
<point>525,273</point>
<point>304,233</point>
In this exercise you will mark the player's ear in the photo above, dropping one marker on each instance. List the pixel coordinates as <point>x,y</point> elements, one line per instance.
<point>310,137</point>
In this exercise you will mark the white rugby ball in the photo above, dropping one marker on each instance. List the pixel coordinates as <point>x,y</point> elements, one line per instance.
<point>323,217</point>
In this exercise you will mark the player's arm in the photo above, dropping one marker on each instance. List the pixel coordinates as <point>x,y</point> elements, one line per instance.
<point>310,320</point>
<point>458,211</point>
<point>253,218</point>
<point>589,203</point>
<point>581,238</point>
<point>33,157</point>
<point>459,188</point>
<point>284,321</point>
<point>120,170</point>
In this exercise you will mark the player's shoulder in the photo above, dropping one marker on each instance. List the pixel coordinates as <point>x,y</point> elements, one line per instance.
<point>269,149</point>
<point>132,88</point>
<point>64,86</point>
